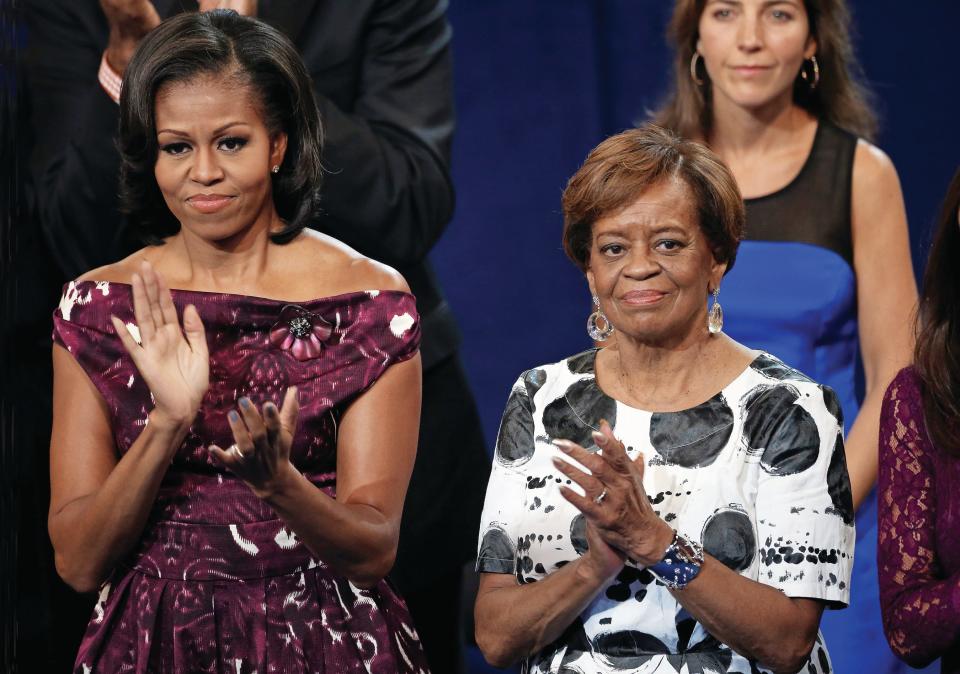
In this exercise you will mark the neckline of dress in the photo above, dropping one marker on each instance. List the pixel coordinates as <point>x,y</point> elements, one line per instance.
<point>325,298</point>
<point>745,372</point>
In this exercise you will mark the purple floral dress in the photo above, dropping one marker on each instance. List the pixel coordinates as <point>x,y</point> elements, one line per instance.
<point>218,583</point>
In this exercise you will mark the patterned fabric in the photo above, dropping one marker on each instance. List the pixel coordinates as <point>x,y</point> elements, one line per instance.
<point>756,474</point>
<point>919,511</point>
<point>218,583</point>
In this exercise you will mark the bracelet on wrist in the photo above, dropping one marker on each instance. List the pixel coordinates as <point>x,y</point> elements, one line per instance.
<point>681,562</point>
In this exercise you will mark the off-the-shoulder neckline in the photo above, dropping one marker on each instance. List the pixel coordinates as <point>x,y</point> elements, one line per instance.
<point>326,298</point>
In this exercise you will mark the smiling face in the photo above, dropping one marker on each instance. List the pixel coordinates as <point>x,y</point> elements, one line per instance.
<point>652,268</point>
<point>214,158</point>
<point>753,49</point>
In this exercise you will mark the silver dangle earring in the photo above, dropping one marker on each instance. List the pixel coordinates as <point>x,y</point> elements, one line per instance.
<point>715,314</point>
<point>598,326</point>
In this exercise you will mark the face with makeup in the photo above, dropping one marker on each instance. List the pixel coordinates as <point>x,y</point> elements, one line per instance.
<point>652,268</point>
<point>753,49</point>
<point>214,157</point>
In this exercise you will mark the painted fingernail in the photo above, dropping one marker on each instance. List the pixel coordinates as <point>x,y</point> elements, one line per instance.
<point>599,438</point>
<point>233,416</point>
<point>562,445</point>
<point>245,403</point>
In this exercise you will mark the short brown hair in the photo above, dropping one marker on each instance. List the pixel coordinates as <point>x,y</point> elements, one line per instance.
<point>622,167</point>
<point>841,97</point>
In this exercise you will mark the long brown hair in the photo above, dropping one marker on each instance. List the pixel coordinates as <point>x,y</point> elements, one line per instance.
<point>937,355</point>
<point>840,97</point>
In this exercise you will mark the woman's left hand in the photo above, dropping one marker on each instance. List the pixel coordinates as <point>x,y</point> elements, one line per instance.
<point>260,455</point>
<point>615,502</point>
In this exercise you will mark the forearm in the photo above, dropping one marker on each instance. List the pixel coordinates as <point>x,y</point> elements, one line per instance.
<point>92,533</point>
<point>755,620</point>
<point>921,619</point>
<point>861,442</point>
<point>356,540</point>
<point>515,621</point>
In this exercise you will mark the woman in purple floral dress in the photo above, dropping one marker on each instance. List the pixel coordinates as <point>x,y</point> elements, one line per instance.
<point>236,405</point>
<point>919,501</point>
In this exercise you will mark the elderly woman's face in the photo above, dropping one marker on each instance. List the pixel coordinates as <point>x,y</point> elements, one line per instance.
<point>652,268</point>
<point>214,158</point>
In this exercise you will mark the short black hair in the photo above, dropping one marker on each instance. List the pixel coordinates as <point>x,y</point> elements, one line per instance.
<point>194,44</point>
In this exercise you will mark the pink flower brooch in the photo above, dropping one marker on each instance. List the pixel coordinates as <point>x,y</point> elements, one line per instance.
<point>302,333</point>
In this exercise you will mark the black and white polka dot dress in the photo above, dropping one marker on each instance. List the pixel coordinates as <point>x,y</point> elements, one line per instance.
<point>756,474</point>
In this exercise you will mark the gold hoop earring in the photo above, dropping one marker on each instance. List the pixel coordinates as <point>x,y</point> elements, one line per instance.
<point>693,70</point>
<point>815,67</point>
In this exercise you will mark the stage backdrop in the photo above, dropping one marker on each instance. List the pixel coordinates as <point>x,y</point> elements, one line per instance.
<point>540,82</point>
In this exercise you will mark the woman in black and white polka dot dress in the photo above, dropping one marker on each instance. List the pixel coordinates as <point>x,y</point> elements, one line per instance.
<point>671,502</point>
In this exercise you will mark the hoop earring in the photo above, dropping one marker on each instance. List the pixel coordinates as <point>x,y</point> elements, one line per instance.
<point>715,314</point>
<point>693,70</point>
<point>816,73</point>
<point>598,325</point>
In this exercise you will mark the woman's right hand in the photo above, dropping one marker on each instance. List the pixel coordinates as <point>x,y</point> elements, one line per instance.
<point>603,560</point>
<point>175,368</point>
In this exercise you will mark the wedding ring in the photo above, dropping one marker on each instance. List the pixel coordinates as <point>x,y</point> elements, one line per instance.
<point>598,499</point>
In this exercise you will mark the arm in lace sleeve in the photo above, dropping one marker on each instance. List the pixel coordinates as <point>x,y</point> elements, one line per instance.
<point>921,609</point>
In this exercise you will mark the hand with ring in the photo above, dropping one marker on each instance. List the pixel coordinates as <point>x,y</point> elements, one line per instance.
<point>615,502</point>
<point>260,455</point>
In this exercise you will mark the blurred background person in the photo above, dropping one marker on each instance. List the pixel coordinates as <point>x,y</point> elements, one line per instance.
<point>382,76</point>
<point>919,559</point>
<point>714,471</point>
<point>824,279</point>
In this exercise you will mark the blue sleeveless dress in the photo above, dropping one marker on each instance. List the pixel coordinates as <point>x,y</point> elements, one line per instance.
<point>792,293</point>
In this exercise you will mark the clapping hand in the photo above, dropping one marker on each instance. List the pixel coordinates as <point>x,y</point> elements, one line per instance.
<point>129,22</point>
<point>244,7</point>
<point>261,453</point>
<point>173,362</point>
<point>615,502</point>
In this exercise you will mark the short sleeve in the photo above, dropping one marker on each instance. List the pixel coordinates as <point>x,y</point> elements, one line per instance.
<point>81,325</point>
<point>499,523</point>
<point>805,516</point>
<point>398,312</point>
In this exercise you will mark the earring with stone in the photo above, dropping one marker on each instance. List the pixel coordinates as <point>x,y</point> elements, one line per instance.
<point>599,326</point>
<point>715,314</point>
<point>275,169</point>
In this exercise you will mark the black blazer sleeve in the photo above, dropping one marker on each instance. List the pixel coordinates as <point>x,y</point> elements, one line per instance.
<point>74,164</point>
<point>388,192</point>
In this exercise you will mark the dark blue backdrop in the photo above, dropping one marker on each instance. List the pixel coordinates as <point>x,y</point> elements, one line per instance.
<point>540,82</point>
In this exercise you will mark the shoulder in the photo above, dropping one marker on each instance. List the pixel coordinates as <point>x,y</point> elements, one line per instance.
<point>777,385</point>
<point>873,170</point>
<point>344,267</point>
<point>905,388</point>
<point>561,373</point>
<point>122,270</point>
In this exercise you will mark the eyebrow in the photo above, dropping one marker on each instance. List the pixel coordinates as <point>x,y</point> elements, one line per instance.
<point>216,131</point>
<point>768,3</point>
<point>656,229</point>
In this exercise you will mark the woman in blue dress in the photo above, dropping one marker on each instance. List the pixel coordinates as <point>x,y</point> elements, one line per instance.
<point>824,277</point>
